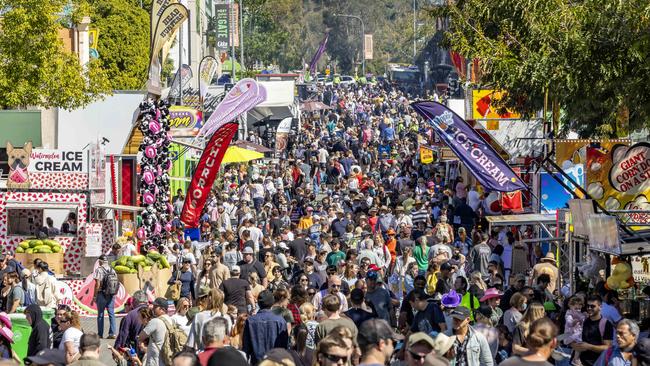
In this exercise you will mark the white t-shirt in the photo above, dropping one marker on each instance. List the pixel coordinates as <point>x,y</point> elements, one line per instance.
<point>156,331</point>
<point>129,250</point>
<point>182,322</point>
<point>73,335</point>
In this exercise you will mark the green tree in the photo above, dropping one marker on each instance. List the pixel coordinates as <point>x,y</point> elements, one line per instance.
<point>589,57</point>
<point>35,70</point>
<point>123,41</point>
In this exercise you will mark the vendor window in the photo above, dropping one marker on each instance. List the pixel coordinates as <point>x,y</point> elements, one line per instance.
<point>41,222</point>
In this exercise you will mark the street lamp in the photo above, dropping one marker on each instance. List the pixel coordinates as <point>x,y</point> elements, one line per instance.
<point>363,40</point>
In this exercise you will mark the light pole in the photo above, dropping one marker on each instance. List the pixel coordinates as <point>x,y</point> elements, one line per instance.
<point>363,40</point>
<point>414,30</point>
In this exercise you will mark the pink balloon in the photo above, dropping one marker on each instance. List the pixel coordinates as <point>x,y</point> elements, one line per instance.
<point>168,227</point>
<point>154,127</point>
<point>140,233</point>
<point>150,152</point>
<point>148,177</point>
<point>170,208</point>
<point>157,229</point>
<point>148,198</point>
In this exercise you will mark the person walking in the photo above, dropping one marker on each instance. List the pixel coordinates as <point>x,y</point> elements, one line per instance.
<point>597,333</point>
<point>106,286</point>
<point>39,339</point>
<point>541,341</point>
<point>264,330</point>
<point>332,309</point>
<point>377,342</point>
<point>472,349</point>
<point>131,324</point>
<point>153,334</point>
<point>89,351</point>
<point>620,354</point>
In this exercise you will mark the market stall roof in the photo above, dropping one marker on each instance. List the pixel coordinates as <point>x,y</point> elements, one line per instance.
<point>236,154</point>
<point>523,219</point>
<point>119,207</point>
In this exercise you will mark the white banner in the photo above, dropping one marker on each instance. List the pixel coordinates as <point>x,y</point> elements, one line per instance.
<point>58,161</point>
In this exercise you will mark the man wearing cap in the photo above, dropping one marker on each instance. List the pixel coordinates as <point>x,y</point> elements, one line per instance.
<point>185,278</point>
<point>237,292</point>
<point>472,349</point>
<point>249,264</point>
<point>547,266</point>
<point>315,279</point>
<point>418,347</point>
<point>104,301</point>
<point>131,324</point>
<point>307,220</point>
<point>264,330</point>
<point>336,255</point>
<point>340,224</point>
<point>378,296</point>
<point>154,333</point>
<point>377,341</point>
<point>298,247</point>
<point>47,357</point>
<point>386,220</point>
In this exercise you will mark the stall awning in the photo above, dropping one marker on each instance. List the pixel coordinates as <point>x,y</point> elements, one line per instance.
<point>40,205</point>
<point>119,207</point>
<point>523,219</point>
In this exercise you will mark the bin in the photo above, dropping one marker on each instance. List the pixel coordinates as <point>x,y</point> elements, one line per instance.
<point>22,330</point>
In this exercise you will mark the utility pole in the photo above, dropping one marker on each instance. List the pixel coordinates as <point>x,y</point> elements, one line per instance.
<point>241,38</point>
<point>363,39</point>
<point>414,30</point>
<point>232,42</point>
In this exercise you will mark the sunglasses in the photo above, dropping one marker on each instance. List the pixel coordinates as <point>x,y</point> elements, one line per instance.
<point>310,293</point>
<point>335,358</point>
<point>335,286</point>
<point>416,356</point>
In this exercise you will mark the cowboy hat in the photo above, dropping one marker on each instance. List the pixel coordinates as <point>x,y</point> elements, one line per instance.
<point>549,257</point>
<point>490,294</point>
<point>451,299</point>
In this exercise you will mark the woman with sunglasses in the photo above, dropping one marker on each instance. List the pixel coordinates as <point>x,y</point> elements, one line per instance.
<point>331,350</point>
<point>180,317</point>
<point>57,333</point>
<point>205,279</point>
<point>269,265</point>
<point>278,281</point>
<point>71,326</point>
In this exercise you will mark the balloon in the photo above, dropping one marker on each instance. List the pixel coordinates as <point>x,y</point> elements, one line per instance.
<point>140,233</point>
<point>157,229</point>
<point>150,152</point>
<point>148,177</point>
<point>168,227</point>
<point>154,127</point>
<point>148,198</point>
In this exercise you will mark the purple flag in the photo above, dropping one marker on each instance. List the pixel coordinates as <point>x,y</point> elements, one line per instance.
<point>318,54</point>
<point>481,159</point>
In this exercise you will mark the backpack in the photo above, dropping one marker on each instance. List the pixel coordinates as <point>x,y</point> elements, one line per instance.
<point>110,283</point>
<point>175,340</point>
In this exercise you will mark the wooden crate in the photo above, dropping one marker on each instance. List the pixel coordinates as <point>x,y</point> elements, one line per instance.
<point>54,261</point>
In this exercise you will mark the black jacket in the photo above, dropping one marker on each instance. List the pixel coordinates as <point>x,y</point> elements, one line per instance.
<point>40,337</point>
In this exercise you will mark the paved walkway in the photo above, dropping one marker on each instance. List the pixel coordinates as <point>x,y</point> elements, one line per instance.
<point>89,324</point>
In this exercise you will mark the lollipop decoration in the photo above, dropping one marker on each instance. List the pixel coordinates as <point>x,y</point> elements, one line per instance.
<point>154,166</point>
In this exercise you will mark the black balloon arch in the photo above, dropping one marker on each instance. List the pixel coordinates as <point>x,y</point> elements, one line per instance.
<point>155,164</point>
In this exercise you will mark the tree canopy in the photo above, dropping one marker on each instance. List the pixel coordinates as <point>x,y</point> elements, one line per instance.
<point>591,56</point>
<point>35,69</point>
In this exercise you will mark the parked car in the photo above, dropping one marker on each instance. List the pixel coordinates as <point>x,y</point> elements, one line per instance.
<point>347,80</point>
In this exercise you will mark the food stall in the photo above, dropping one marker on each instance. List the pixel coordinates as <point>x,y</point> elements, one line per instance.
<point>45,184</point>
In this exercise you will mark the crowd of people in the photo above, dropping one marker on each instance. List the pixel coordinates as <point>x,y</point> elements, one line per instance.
<point>346,251</point>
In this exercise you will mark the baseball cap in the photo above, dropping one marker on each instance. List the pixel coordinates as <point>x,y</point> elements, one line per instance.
<point>374,276</point>
<point>445,266</point>
<point>460,313</point>
<point>161,302</point>
<point>187,260</point>
<point>48,357</point>
<point>235,269</point>
<point>420,337</point>
<point>102,258</point>
<point>248,250</point>
<point>374,330</point>
<point>308,260</point>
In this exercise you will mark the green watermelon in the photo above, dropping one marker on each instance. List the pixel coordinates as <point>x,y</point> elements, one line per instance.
<point>163,262</point>
<point>138,258</point>
<point>122,269</point>
<point>35,243</point>
<point>57,249</point>
<point>29,251</point>
<point>43,249</point>
<point>20,250</point>
<point>24,244</point>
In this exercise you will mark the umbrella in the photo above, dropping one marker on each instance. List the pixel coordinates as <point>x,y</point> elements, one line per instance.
<point>236,154</point>
<point>313,106</point>
<point>251,146</point>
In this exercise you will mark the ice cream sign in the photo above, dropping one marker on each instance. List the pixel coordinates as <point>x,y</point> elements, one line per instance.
<point>57,161</point>
<point>630,172</point>
<point>184,121</point>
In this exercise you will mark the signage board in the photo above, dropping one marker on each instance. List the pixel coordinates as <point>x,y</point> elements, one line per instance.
<point>57,161</point>
<point>222,19</point>
<point>367,47</point>
<point>93,233</point>
<point>184,121</point>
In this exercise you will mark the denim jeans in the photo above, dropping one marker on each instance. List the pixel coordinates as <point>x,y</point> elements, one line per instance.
<point>105,303</point>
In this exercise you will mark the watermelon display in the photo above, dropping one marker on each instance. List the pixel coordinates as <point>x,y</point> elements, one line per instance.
<point>130,264</point>
<point>34,245</point>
